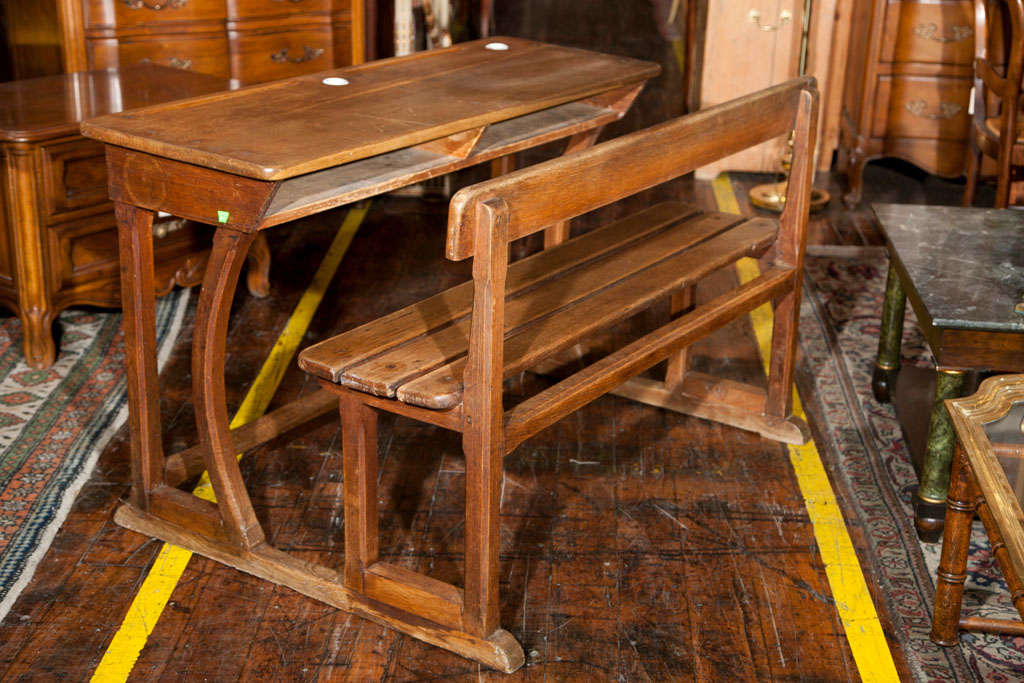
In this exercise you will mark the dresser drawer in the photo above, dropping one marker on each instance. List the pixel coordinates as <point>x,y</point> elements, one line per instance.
<point>932,32</point>
<point>922,107</point>
<point>244,9</point>
<point>270,55</point>
<point>74,176</point>
<point>128,13</point>
<point>86,251</point>
<point>204,53</point>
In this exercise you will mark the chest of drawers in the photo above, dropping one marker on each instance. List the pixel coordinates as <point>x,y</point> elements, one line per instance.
<point>907,86</point>
<point>58,235</point>
<point>248,41</point>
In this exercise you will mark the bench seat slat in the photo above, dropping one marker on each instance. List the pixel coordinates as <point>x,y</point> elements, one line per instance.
<point>524,348</point>
<point>329,358</point>
<point>382,375</point>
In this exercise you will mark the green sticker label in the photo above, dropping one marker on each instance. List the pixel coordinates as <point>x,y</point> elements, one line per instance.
<point>223,216</point>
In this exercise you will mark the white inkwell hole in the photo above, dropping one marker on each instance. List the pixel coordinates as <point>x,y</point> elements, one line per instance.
<point>496,46</point>
<point>335,80</point>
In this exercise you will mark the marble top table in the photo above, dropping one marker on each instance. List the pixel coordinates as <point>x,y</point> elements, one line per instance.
<point>963,271</point>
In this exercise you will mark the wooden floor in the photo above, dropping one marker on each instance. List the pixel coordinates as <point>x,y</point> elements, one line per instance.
<point>636,544</point>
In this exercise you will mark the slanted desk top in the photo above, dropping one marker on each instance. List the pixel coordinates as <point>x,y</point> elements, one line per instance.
<point>300,125</point>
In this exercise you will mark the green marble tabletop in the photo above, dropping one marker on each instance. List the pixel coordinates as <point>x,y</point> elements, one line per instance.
<point>966,264</point>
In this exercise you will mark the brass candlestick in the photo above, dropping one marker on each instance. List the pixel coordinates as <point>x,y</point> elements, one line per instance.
<point>772,196</point>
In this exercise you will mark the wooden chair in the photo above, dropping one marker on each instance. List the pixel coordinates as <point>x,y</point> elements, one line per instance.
<point>987,479</point>
<point>996,129</point>
<point>443,360</point>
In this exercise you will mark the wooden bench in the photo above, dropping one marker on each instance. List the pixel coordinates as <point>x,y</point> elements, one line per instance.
<point>444,360</point>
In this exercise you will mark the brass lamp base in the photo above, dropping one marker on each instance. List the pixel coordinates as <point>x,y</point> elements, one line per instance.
<point>772,196</point>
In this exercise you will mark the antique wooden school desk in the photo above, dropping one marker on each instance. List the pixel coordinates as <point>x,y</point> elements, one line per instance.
<point>248,160</point>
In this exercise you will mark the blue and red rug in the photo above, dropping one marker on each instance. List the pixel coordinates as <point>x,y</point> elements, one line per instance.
<point>55,422</point>
<point>867,457</point>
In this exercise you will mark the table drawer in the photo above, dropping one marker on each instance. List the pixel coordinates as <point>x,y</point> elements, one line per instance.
<point>74,176</point>
<point>932,32</point>
<point>243,9</point>
<point>204,53</point>
<point>269,55</point>
<point>922,107</point>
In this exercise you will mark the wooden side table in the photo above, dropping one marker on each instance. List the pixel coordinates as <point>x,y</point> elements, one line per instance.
<point>336,137</point>
<point>58,245</point>
<point>963,271</point>
<point>988,478</point>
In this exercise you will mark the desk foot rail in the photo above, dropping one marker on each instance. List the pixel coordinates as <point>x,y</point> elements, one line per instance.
<point>499,650</point>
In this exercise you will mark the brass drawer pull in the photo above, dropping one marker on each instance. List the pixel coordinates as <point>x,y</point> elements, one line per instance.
<point>179,63</point>
<point>947,110</point>
<point>784,18</point>
<point>929,31</point>
<point>155,6</point>
<point>308,55</point>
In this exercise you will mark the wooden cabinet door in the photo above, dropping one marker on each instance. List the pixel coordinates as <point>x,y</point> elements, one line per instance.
<point>749,45</point>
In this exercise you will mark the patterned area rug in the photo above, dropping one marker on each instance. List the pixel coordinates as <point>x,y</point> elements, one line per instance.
<point>54,423</point>
<point>868,456</point>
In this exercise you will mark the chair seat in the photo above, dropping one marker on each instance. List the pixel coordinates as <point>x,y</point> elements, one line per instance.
<point>555,298</point>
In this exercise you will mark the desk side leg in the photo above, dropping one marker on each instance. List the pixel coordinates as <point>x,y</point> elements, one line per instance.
<point>209,344</point>
<point>135,247</point>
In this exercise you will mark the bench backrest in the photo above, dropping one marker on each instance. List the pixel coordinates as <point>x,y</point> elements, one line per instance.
<point>483,218</point>
<point>563,188</point>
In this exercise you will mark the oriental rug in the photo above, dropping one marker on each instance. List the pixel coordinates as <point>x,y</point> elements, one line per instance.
<point>864,449</point>
<point>55,422</point>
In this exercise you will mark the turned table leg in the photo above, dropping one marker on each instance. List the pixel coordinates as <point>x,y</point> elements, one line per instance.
<point>949,588</point>
<point>929,502</point>
<point>890,334</point>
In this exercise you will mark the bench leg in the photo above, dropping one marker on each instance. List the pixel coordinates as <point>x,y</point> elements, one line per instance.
<point>782,366</point>
<point>949,589</point>
<point>678,363</point>
<point>359,455</point>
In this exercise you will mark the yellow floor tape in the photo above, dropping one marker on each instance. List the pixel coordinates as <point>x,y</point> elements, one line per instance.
<point>170,563</point>
<point>849,588</point>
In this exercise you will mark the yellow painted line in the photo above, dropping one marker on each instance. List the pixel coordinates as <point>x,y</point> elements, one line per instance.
<point>159,584</point>
<point>849,588</point>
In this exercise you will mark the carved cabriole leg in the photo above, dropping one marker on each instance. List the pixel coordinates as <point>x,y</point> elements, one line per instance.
<point>359,453</point>
<point>949,588</point>
<point>930,499</point>
<point>208,352</point>
<point>559,232</point>
<point>973,169</point>
<point>682,302</point>
<point>890,336</point>
<point>135,247</point>
<point>855,178</point>
<point>34,306</point>
<point>257,277</point>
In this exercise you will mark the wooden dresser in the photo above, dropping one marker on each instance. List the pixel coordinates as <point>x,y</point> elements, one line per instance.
<point>58,236</point>
<point>248,41</point>
<point>907,87</point>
